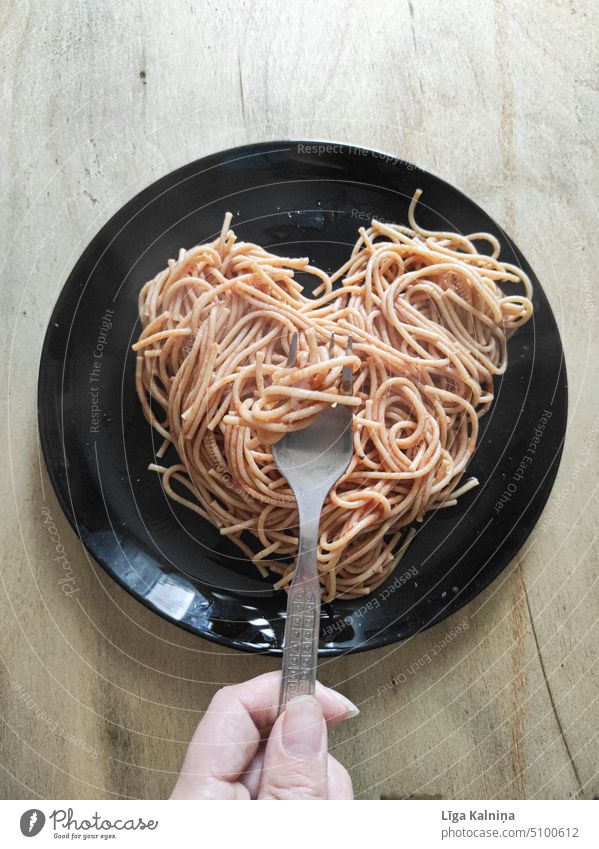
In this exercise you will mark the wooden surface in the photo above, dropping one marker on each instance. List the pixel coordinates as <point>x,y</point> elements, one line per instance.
<point>99,696</point>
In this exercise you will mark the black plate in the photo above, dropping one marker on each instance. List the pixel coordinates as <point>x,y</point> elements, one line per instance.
<point>297,198</point>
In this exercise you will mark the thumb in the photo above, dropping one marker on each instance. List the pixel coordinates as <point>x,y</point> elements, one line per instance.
<point>295,760</point>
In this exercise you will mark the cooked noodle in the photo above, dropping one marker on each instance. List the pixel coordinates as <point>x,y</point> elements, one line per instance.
<point>429,326</point>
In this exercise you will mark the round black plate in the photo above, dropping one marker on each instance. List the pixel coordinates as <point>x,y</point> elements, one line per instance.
<point>296,198</point>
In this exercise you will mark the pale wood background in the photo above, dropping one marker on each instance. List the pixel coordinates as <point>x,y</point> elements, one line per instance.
<point>99,696</point>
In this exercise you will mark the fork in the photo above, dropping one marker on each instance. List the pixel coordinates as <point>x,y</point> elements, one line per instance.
<point>312,460</point>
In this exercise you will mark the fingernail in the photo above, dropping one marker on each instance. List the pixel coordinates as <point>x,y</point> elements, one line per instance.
<point>302,731</point>
<point>351,709</point>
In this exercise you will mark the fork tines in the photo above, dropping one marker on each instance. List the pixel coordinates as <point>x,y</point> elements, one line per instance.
<point>292,350</point>
<point>346,386</point>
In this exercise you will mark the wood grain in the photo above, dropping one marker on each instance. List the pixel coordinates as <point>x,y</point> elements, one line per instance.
<point>99,697</point>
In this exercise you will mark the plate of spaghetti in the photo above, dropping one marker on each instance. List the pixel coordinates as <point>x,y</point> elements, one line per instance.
<point>164,385</point>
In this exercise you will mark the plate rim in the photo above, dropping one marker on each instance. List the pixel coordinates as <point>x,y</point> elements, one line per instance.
<point>383,638</point>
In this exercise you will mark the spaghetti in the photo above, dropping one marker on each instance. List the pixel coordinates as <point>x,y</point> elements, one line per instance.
<point>429,323</point>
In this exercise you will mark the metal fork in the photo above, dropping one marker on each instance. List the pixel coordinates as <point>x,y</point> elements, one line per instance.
<point>312,460</point>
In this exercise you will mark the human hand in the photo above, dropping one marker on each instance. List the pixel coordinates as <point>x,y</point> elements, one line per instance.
<point>240,750</point>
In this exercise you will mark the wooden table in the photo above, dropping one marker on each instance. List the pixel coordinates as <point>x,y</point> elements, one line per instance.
<point>99,696</point>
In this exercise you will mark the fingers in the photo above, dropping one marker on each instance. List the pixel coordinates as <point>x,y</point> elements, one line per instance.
<point>296,757</point>
<point>227,739</point>
<point>251,777</point>
<point>340,784</point>
<point>221,748</point>
<point>338,779</point>
<point>260,698</point>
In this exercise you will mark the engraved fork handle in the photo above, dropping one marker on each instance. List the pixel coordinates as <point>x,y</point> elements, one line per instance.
<point>300,643</point>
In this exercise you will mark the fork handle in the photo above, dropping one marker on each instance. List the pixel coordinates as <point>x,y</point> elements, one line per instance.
<point>302,627</point>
